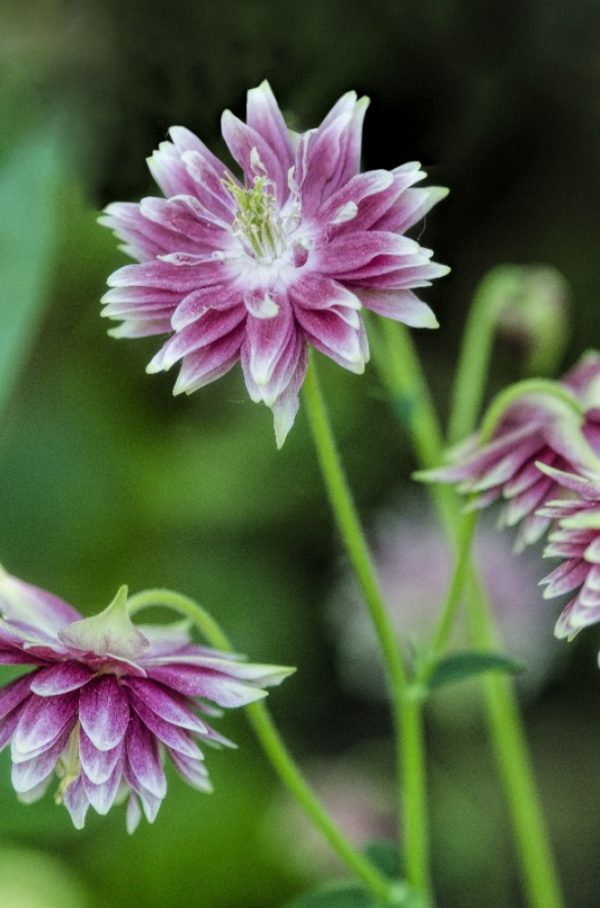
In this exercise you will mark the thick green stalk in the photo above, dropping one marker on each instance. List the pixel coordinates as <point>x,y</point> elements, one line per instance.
<point>536,858</point>
<point>272,744</point>
<point>407,712</point>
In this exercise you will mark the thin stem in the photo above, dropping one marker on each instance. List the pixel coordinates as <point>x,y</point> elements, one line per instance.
<point>456,588</point>
<point>473,363</point>
<point>272,744</point>
<point>407,713</point>
<point>510,746</point>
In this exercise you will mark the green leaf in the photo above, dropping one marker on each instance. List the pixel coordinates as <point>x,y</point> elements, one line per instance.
<point>466,665</point>
<point>336,895</point>
<point>30,174</point>
<point>385,856</point>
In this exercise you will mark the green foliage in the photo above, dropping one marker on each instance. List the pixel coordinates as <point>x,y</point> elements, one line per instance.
<point>30,174</point>
<point>461,666</point>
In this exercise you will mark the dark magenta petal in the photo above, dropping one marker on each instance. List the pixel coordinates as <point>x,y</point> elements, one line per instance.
<point>143,758</point>
<point>104,712</point>
<point>192,771</point>
<point>42,721</point>
<point>167,704</point>
<point>30,773</point>
<point>34,607</point>
<point>14,693</point>
<point>199,682</point>
<point>171,735</point>
<point>97,764</point>
<point>102,796</point>
<point>60,679</point>
<point>76,802</point>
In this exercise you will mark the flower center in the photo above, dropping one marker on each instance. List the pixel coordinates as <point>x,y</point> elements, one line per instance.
<point>258,223</point>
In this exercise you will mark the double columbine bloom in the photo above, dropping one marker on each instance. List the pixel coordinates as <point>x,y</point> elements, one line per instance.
<point>534,429</point>
<point>544,461</point>
<point>107,700</point>
<point>257,269</point>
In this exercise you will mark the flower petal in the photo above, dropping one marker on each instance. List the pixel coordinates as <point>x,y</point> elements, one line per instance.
<point>97,764</point>
<point>42,721</point>
<point>32,606</point>
<point>104,712</point>
<point>211,362</point>
<point>60,679</point>
<point>76,802</point>
<point>144,759</point>
<point>168,705</point>
<point>264,117</point>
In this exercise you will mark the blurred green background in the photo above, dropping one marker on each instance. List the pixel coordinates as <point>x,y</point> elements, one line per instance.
<point>105,478</point>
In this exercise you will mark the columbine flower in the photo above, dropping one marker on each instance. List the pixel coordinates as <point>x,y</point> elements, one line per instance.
<point>255,270</point>
<point>576,539</point>
<point>533,429</point>
<point>107,699</point>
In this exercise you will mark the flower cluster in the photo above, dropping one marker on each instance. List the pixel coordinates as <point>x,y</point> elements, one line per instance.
<point>533,430</point>
<point>257,269</point>
<point>106,699</point>
<point>545,463</point>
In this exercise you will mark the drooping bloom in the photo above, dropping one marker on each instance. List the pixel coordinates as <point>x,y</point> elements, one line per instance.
<point>257,269</point>
<point>106,700</point>
<point>534,428</point>
<point>576,540</point>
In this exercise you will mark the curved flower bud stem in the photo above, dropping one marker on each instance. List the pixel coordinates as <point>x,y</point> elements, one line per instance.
<point>474,359</point>
<point>564,399</point>
<point>275,749</point>
<point>536,858</point>
<point>407,711</point>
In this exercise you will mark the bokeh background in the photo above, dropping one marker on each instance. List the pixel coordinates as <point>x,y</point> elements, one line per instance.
<point>105,478</point>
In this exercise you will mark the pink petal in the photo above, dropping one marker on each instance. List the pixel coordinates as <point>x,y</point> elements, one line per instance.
<point>212,325</point>
<point>195,304</point>
<point>400,305</point>
<point>104,712</point>
<point>204,366</point>
<point>244,143</point>
<point>60,679</point>
<point>266,339</point>
<point>264,117</point>
<point>328,332</point>
<point>315,291</point>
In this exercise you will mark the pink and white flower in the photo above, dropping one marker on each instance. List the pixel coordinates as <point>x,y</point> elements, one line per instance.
<point>576,540</point>
<point>106,700</point>
<point>534,428</point>
<point>258,269</point>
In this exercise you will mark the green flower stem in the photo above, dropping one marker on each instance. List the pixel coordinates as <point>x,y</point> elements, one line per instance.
<point>272,744</point>
<point>456,588</point>
<point>510,746</point>
<point>407,711</point>
<point>474,359</point>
